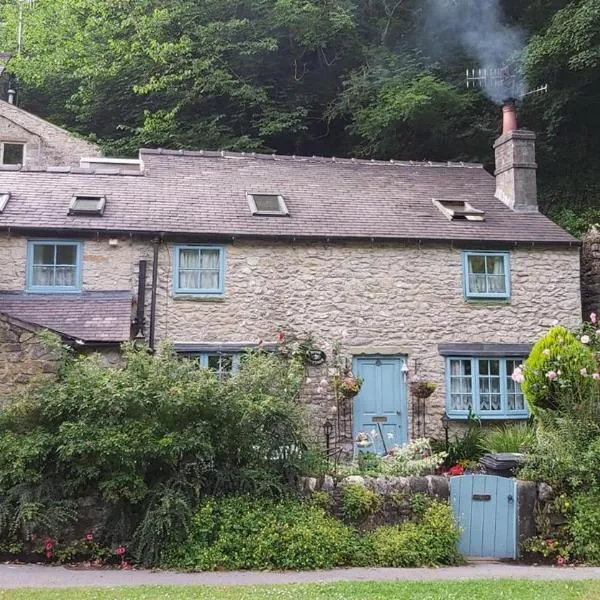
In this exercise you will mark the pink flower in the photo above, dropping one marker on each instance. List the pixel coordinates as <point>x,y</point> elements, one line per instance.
<point>517,375</point>
<point>596,376</point>
<point>48,554</point>
<point>585,339</point>
<point>560,561</point>
<point>89,537</point>
<point>551,375</point>
<point>120,550</point>
<point>593,318</point>
<point>583,372</point>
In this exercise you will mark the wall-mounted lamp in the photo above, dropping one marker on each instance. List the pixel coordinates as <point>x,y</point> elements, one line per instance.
<point>404,370</point>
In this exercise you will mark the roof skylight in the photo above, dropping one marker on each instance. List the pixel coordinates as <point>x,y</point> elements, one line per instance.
<point>4,198</point>
<point>87,205</point>
<point>267,204</point>
<point>459,210</point>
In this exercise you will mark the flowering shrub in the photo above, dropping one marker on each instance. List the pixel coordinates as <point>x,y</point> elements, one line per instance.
<point>413,458</point>
<point>559,365</point>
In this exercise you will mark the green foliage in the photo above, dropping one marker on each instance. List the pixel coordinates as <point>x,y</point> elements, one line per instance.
<point>145,441</point>
<point>509,438</point>
<point>430,542</point>
<point>419,504</point>
<point>358,502</point>
<point>246,533</point>
<point>553,371</point>
<point>585,527</point>
<point>466,445</point>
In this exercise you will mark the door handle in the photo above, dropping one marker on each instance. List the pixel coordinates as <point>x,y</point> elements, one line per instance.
<point>398,412</point>
<point>510,498</point>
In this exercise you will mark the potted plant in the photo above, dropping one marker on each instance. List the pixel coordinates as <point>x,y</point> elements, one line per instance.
<point>347,384</point>
<point>422,389</point>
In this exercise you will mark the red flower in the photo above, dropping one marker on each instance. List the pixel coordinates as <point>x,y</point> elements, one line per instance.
<point>281,337</point>
<point>456,470</point>
<point>120,550</point>
<point>549,541</point>
<point>89,537</point>
<point>260,342</point>
<point>49,554</point>
<point>49,546</point>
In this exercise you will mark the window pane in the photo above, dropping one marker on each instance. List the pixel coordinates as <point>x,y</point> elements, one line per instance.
<point>65,276</point>
<point>210,259</point>
<point>42,276</point>
<point>221,364</point>
<point>66,254</point>
<point>199,269</point>
<point>460,385</point>
<point>266,203</point>
<point>43,254</point>
<point>515,398</point>
<point>477,264</point>
<point>13,154</point>
<point>489,385</point>
<point>495,265</point>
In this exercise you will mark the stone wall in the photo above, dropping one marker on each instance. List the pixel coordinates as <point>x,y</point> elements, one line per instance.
<point>46,144</point>
<point>389,299</point>
<point>590,272</point>
<point>22,356</point>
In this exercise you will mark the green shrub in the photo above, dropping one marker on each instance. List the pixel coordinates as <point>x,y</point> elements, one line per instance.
<point>553,371</point>
<point>430,542</point>
<point>584,526</point>
<point>509,438</point>
<point>245,533</point>
<point>466,446</point>
<point>358,502</point>
<point>145,441</point>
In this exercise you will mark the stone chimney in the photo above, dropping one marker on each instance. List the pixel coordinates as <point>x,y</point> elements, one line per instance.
<point>515,164</point>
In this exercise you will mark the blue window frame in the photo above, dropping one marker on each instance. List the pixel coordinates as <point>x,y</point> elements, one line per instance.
<point>486,275</point>
<point>483,386</point>
<point>222,363</point>
<point>54,266</point>
<point>199,270</point>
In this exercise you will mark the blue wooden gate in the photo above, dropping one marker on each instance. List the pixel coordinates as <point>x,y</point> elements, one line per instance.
<point>485,507</point>
<point>381,408</point>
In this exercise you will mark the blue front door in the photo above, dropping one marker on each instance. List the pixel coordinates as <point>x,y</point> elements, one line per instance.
<point>380,407</point>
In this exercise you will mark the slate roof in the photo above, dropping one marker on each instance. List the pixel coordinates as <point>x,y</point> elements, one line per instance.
<point>203,194</point>
<point>91,316</point>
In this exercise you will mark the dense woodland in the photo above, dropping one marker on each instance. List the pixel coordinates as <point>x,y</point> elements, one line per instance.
<point>372,78</point>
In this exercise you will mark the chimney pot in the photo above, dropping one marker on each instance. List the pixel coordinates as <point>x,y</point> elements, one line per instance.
<point>509,117</point>
<point>11,96</point>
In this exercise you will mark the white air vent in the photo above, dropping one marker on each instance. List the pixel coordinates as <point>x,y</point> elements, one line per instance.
<point>4,198</point>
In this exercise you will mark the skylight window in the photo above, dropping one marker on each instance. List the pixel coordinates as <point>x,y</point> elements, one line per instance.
<point>267,204</point>
<point>87,205</point>
<point>459,210</point>
<point>4,198</point>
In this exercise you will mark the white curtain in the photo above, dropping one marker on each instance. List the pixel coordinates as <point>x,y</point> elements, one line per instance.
<point>54,265</point>
<point>477,283</point>
<point>199,269</point>
<point>460,385</point>
<point>496,279</point>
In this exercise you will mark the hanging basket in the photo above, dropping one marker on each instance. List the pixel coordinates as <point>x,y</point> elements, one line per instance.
<point>348,385</point>
<point>422,389</point>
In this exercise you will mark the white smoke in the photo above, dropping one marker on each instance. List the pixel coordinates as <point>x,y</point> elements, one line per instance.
<point>478,27</point>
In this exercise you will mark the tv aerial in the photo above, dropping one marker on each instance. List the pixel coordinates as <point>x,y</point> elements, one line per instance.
<point>502,82</point>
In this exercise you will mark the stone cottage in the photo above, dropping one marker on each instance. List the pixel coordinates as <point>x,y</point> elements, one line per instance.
<point>434,272</point>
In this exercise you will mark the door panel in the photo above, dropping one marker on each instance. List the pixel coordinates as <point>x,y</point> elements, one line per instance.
<point>380,407</point>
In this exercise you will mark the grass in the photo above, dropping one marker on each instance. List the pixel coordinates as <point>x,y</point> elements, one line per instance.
<point>453,590</point>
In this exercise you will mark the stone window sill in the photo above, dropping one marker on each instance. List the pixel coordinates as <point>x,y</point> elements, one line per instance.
<point>194,298</point>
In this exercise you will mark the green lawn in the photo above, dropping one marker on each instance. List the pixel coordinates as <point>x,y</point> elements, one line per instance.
<point>455,590</point>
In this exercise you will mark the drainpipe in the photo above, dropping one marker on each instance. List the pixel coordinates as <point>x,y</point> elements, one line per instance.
<point>140,316</point>
<point>151,337</point>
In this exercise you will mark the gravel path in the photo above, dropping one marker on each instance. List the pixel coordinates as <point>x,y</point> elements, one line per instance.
<point>21,576</point>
